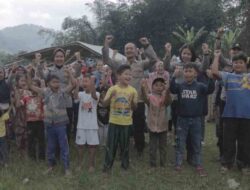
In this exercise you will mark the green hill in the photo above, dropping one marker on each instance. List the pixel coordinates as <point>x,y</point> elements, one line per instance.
<point>22,38</point>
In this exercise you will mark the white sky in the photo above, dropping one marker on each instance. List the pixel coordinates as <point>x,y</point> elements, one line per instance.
<point>47,13</point>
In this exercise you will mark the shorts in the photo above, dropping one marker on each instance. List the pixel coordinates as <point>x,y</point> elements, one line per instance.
<point>87,136</point>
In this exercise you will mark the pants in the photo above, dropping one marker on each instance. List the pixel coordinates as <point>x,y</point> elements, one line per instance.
<point>75,117</point>
<point>36,137</point>
<point>69,125</point>
<point>102,132</point>
<point>117,135</point>
<point>3,150</point>
<point>157,141</point>
<point>219,128</point>
<point>236,136</point>
<point>57,135</point>
<point>174,114</point>
<point>188,126</point>
<point>139,126</point>
<point>203,125</point>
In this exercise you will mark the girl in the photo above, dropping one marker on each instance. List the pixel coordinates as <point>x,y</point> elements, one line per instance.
<point>34,116</point>
<point>20,90</point>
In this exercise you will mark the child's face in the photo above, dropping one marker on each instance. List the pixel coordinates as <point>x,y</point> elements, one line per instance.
<point>54,84</point>
<point>125,77</point>
<point>186,55</point>
<point>239,66</point>
<point>22,83</point>
<point>59,58</point>
<point>159,67</point>
<point>189,74</point>
<point>1,74</point>
<point>99,65</point>
<point>158,87</point>
<point>86,83</point>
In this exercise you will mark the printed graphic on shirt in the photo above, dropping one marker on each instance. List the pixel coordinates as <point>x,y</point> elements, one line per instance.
<point>87,106</point>
<point>246,82</point>
<point>189,94</point>
<point>121,107</point>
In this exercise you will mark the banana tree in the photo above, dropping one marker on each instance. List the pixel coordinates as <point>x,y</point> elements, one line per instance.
<point>229,38</point>
<point>189,36</point>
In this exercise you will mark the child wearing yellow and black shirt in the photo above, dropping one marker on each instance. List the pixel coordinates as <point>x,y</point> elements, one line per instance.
<point>122,99</point>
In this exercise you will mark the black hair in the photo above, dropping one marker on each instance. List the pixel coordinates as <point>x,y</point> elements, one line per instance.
<point>158,80</point>
<point>122,68</point>
<point>57,50</point>
<point>187,46</point>
<point>240,56</point>
<point>50,77</point>
<point>191,65</point>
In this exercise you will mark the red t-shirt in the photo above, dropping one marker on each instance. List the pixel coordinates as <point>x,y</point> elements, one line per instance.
<point>34,108</point>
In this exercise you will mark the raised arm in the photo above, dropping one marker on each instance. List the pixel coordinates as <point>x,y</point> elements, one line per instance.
<point>168,99</point>
<point>107,99</point>
<point>174,87</point>
<point>144,91</point>
<point>167,57</point>
<point>93,90</point>
<point>149,53</point>
<point>71,84</point>
<point>32,87</point>
<point>215,65</point>
<point>206,57</point>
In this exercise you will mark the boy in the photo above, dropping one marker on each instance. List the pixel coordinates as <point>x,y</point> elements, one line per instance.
<point>190,94</point>
<point>87,128</point>
<point>157,101</point>
<point>55,118</point>
<point>236,114</point>
<point>122,99</point>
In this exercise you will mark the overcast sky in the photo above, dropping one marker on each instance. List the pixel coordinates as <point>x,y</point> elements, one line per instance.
<point>48,13</point>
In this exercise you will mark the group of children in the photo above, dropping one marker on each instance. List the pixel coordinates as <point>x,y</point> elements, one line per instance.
<point>36,105</point>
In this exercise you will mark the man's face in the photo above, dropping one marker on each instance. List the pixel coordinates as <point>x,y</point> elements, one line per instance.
<point>130,50</point>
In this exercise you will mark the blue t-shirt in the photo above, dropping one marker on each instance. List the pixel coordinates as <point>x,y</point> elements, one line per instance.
<point>237,88</point>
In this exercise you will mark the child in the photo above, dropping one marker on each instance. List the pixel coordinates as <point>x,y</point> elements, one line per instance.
<point>190,94</point>
<point>236,114</point>
<point>157,120</point>
<point>102,111</point>
<point>4,116</point>
<point>87,128</point>
<point>122,99</point>
<point>35,126</point>
<point>55,118</point>
<point>20,125</point>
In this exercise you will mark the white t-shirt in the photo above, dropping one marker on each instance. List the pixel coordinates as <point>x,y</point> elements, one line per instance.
<point>87,117</point>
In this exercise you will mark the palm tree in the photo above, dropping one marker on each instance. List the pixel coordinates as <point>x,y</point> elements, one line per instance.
<point>189,36</point>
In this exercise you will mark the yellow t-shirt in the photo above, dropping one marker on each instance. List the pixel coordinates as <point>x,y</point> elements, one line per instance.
<point>3,118</point>
<point>120,105</point>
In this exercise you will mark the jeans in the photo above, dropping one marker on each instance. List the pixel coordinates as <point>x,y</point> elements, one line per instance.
<point>188,126</point>
<point>57,135</point>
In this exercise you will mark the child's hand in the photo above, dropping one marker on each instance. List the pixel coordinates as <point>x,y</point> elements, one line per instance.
<point>168,48</point>
<point>209,73</point>
<point>177,72</point>
<point>144,83</point>
<point>217,53</point>
<point>205,48</point>
<point>220,32</point>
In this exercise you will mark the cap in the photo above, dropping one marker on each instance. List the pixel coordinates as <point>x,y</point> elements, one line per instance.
<point>236,46</point>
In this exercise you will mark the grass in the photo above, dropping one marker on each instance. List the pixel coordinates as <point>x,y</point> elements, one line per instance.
<point>138,177</point>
